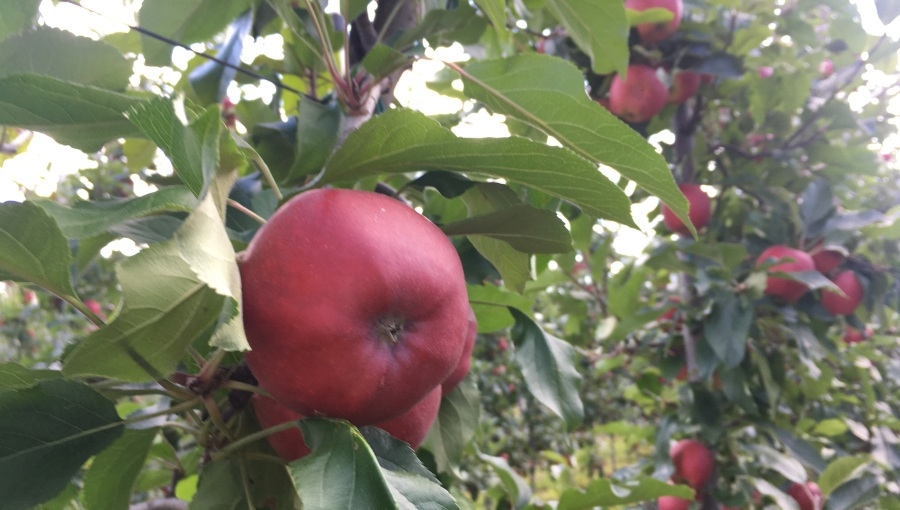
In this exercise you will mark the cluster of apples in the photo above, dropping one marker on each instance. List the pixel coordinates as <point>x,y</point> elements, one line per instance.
<point>640,94</point>
<point>355,307</point>
<point>694,465</point>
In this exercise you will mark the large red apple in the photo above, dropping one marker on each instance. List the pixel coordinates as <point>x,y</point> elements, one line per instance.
<point>684,85</point>
<point>673,503</point>
<point>639,96</point>
<point>784,288</point>
<point>699,209</point>
<point>808,495</point>
<point>693,462</point>
<point>411,426</point>
<point>652,33</point>
<point>465,362</point>
<point>849,284</point>
<point>355,305</point>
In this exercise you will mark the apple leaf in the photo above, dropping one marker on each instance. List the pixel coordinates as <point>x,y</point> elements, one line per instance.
<point>606,492</point>
<point>548,93</point>
<point>842,470</point>
<point>514,266</point>
<point>600,29</point>
<point>784,501</point>
<point>18,15</point>
<point>82,116</point>
<point>225,484</point>
<point>111,477</point>
<point>401,141</point>
<point>527,229</point>
<point>90,218</point>
<point>33,249</point>
<point>14,376</point>
<point>805,452</point>
<point>318,128</point>
<point>788,466</point>
<point>47,432</point>
<point>495,10</point>
<point>490,304</point>
<point>210,80</point>
<point>548,366</point>
<point>65,56</point>
<point>727,327</point>
<point>652,15</point>
<point>455,425</point>
<point>857,493</point>
<point>515,487</point>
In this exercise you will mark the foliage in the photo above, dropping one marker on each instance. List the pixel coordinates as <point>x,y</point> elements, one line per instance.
<point>130,368</point>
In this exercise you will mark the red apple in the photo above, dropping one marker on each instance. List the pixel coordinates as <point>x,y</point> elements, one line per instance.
<point>808,495</point>
<point>827,260</point>
<point>465,361</point>
<point>765,71</point>
<point>784,288</point>
<point>639,96</point>
<point>826,68</point>
<point>652,33</point>
<point>855,336</point>
<point>603,101</point>
<point>673,503</point>
<point>410,427</point>
<point>355,305</point>
<point>849,284</point>
<point>699,210</point>
<point>684,85</point>
<point>693,462</point>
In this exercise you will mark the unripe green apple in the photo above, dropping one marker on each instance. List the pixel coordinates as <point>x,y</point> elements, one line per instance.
<point>652,33</point>
<point>784,288</point>
<point>639,96</point>
<point>837,304</point>
<point>699,209</point>
<point>808,495</point>
<point>693,462</point>
<point>355,305</point>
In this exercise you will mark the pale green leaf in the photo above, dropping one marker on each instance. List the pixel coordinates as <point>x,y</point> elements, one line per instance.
<point>108,483</point>
<point>599,28</point>
<point>18,15</point>
<point>14,376</point>
<point>514,266</point>
<point>842,470</point>
<point>604,492</point>
<point>455,425</point>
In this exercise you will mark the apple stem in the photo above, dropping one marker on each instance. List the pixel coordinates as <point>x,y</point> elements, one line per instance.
<point>242,208</point>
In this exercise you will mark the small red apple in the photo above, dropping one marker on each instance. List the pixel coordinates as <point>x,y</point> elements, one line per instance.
<point>826,68</point>
<point>765,71</point>
<point>465,362</point>
<point>652,33</point>
<point>849,284</point>
<point>639,96</point>
<point>699,209</point>
<point>355,305</point>
<point>784,288</point>
<point>684,85</point>
<point>693,462</point>
<point>808,495</point>
<point>827,260</point>
<point>855,336</point>
<point>673,503</point>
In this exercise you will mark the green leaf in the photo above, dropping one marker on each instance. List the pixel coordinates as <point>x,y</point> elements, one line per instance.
<point>17,16</point>
<point>318,129</point>
<point>33,249</point>
<point>407,141</point>
<point>548,366</point>
<point>784,501</point>
<point>490,304</point>
<point>600,29</point>
<point>90,218</point>
<point>78,115</point>
<point>604,492</point>
<point>381,60</point>
<point>46,433</point>
<point>495,10</point>
<point>727,326</point>
<point>514,266</point>
<point>652,15</point>
<point>548,93</point>
<point>184,21</point>
<point>14,376</point>
<point>341,472</point>
<point>842,470</point>
<point>526,228</point>
<point>225,484</point>
<point>856,493</point>
<point>514,485</point>
<point>802,450</point>
<point>455,425</point>
<point>63,55</point>
<point>831,427</point>
<point>210,80</point>
<point>789,467</point>
<point>109,482</point>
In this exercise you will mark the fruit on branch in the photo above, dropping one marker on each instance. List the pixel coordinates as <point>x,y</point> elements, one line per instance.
<point>693,462</point>
<point>465,361</point>
<point>785,288</point>
<point>855,336</point>
<point>355,305</point>
<point>652,33</point>
<point>699,210</point>
<point>765,71</point>
<point>849,284</point>
<point>667,320</point>
<point>673,503</point>
<point>808,495</point>
<point>826,68</point>
<point>826,259</point>
<point>684,85</point>
<point>638,96</point>
<point>410,427</point>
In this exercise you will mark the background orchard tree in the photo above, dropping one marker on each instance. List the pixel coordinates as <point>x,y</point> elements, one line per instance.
<point>635,348</point>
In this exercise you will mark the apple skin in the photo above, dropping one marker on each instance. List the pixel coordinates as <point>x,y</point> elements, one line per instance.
<point>652,33</point>
<point>699,211</point>
<point>855,336</point>
<point>639,96</point>
<point>465,361</point>
<point>827,260</point>
<point>410,427</point>
<point>355,305</point>
<point>693,462</point>
<point>684,85</point>
<point>836,304</point>
<point>808,495</point>
<point>673,503</point>
<point>788,290</point>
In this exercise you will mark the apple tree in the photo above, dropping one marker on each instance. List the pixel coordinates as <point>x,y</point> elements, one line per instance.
<point>668,275</point>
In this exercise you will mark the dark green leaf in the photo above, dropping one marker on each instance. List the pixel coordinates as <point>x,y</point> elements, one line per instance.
<point>722,65</point>
<point>210,79</point>
<point>382,60</point>
<point>454,426</point>
<point>784,501</point>
<point>514,485</point>
<point>78,115</point>
<point>46,433</point>
<point>854,494</point>
<point>65,56</point>
<point>14,376</point>
<point>109,481</point>
<point>816,206</point>
<point>802,450</point>
<point>407,141</point>
<point>605,492</point>
<point>526,228</point>
<point>318,128</point>
<point>727,326</point>
<point>224,484</point>
<point>33,249</point>
<point>448,184</point>
<point>788,466</point>
<point>600,29</point>
<point>18,15</point>
<point>548,366</point>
